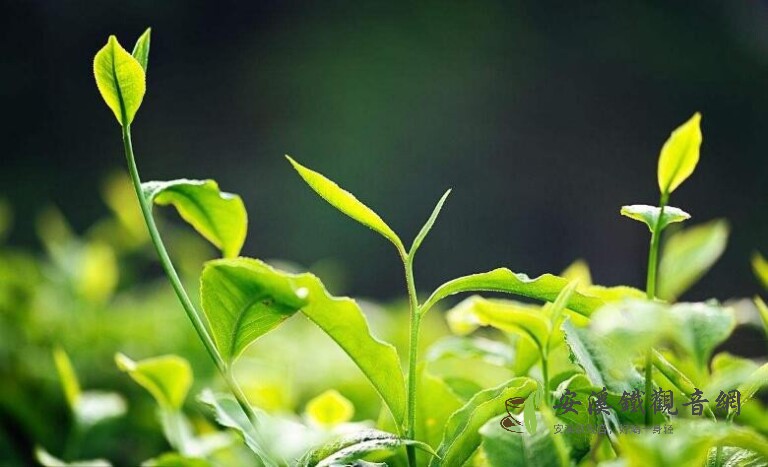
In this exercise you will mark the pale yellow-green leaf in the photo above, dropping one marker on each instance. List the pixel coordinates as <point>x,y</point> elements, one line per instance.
<point>760,267</point>
<point>218,216</point>
<point>168,378</point>
<point>579,271</point>
<point>649,215</point>
<point>120,79</point>
<point>141,49</point>
<point>346,202</point>
<point>67,376</point>
<point>47,460</point>
<point>762,308</point>
<point>688,254</point>
<point>330,409</point>
<point>679,155</point>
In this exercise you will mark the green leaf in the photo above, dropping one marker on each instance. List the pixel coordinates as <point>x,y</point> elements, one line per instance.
<point>649,215</point>
<point>737,457</point>
<point>173,459</point>
<point>168,378</point>
<point>218,216</point>
<point>346,202</point>
<point>541,449</point>
<point>428,226</point>
<point>697,328</point>
<point>488,350</point>
<point>230,415</point>
<point>244,299</point>
<point>353,446</point>
<point>67,376</point>
<point>434,405</point>
<point>689,444</point>
<point>461,436</point>
<point>754,382</point>
<point>679,155</point>
<point>330,409</point>
<point>762,308</point>
<point>47,460</point>
<point>529,412</point>
<point>507,315</point>
<point>120,79</point>
<point>760,267</point>
<point>545,288</point>
<point>578,270</point>
<point>141,50</point>
<point>688,255</point>
<point>557,308</point>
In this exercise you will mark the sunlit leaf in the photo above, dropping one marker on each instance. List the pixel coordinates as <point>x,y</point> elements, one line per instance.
<point>649,215</point>
<point>67,376</point>
<point>679,155</point>
<point>529,414</point>
<point>737,457</point>
<point>244,299</point>
<point>545,288</point>
<point>354,446</point>
<point>509,316</point>
<point>461,437</point>
<point>218,216</point>
<point>141,49</point>
<point>229,414</point>
<point>688,254</point>
<point>168,378</point>
<point>578,271</point>
<point>541,449</point>
<point>330,408</point>
<point>434,405</point>
<point>120,79</point>
<point>47,460</point>
<point>753,383</point>
<point>427,226</point>
<point>491,351</point>
<point>346,202</point>
<point>760,267</point>
<point>174,459</point>
<point>692,440</point>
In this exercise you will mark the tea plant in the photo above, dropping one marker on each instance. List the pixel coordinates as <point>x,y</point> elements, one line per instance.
<point>585,340</point>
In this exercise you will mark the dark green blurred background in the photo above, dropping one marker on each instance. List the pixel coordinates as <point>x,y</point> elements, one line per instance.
<point>543,117</point>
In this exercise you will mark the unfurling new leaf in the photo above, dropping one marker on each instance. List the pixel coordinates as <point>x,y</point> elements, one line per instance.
<point>679,155</point>
<point>346,202</point>
<point>141,49</point>
<point>649,215</point>
<point>218,216</point>
<point>120,79</point>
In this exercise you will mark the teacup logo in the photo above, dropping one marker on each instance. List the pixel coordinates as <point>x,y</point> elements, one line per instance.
<point>511,423</point>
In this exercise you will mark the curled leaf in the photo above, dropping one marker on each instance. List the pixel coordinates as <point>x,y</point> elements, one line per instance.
<point>649,215</point>
<point>168,378</point>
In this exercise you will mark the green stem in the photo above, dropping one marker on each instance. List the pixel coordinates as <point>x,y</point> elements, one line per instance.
<point>545,376</point>
<point>413,351</point>
<point>181,293</point>
<point>650,291</point>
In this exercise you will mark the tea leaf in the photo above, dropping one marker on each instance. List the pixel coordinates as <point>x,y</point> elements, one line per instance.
<point>529,413</point>
<point>555,310</point>
<point>67,376</point>
<point>434,405</point>
<point>649,215</point>
<point>46,459</point>
<point>509,316</point>
<point>545,288</point>
<point>692,441</point>
<point>353,446</point>
<point>218,216</point>
<point>578,270</point>
<point>461,436</point>
<point>244,299</point>
<point>541,449</point>
<point>174,459</point>
<point>754,382</point>
<point>762,308</point>
<point>120,79</point>
<point>168,378</point>
<point>346,202</point>
<point>141,50</point>
<point>428,226</point>
<point>330,408</point>
<point>679,155</point>
<point>760,267</point>
<point>230,415</point>
<point>688,255</point>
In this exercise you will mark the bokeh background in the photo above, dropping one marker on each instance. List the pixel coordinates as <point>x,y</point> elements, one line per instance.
<point>544,118</point>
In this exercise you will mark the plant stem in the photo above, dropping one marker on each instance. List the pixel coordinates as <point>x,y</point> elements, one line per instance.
<point>413,351</point>
<point>650,291</point>
<point>545,376</point>
<point>181,293</point>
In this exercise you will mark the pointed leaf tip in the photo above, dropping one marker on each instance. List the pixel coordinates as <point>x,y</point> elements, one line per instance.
<point>679,155</point>
<point>120,80</point>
